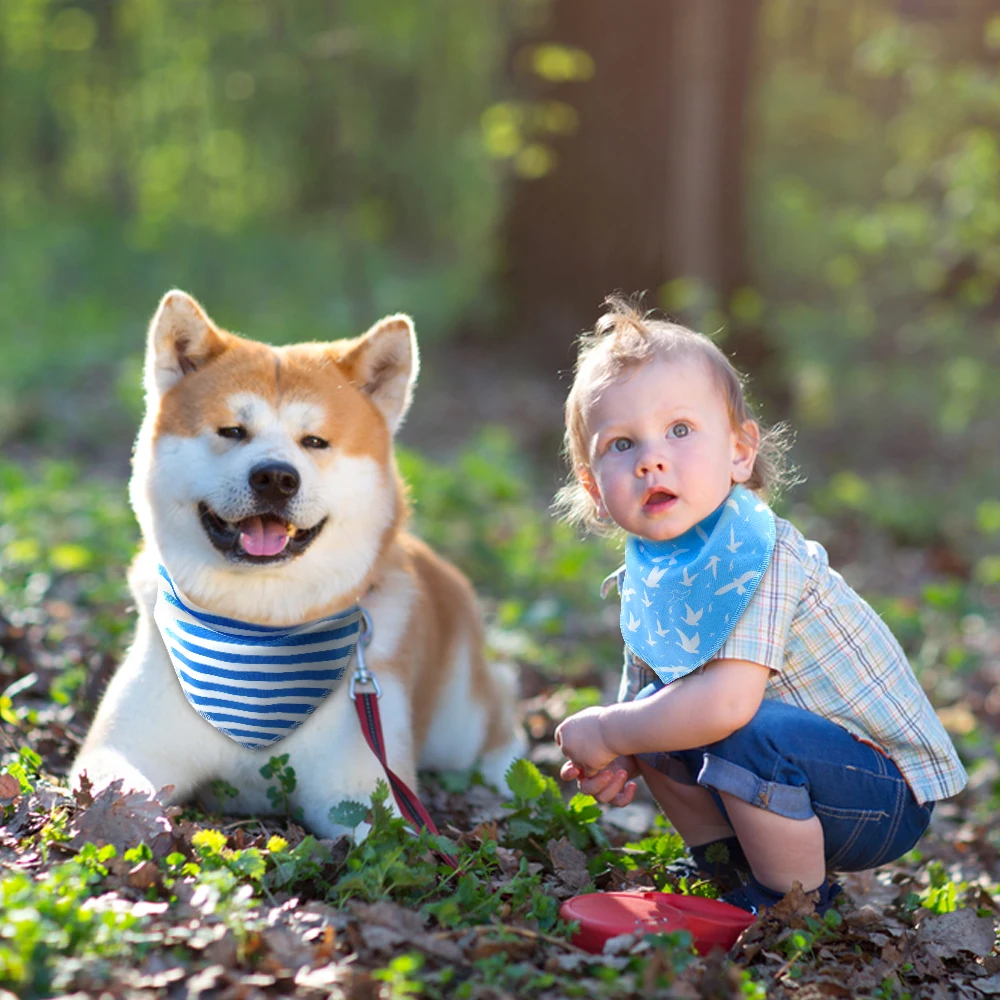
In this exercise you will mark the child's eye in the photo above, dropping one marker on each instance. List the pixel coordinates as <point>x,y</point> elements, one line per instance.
<point>680,430</point>
<point>621,444</point>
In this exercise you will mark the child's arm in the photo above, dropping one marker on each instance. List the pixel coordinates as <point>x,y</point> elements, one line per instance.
<point>696,710</point>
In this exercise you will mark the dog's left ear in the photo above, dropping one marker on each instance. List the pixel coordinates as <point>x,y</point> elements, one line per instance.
<point>384,365</point>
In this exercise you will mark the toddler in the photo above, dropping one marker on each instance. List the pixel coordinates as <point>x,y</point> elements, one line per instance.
<point>770,710</point>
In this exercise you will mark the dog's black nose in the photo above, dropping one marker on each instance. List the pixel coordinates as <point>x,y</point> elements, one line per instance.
<point>274,481</point>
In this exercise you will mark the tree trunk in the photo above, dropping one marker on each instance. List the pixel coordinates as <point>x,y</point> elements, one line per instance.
<point>650,187</point>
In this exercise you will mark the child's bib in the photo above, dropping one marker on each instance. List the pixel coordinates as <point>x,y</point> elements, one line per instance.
<point>683,597</point>
<point>253,683</point>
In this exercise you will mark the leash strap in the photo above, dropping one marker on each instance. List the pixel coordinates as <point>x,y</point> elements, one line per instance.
<point>366,704</point>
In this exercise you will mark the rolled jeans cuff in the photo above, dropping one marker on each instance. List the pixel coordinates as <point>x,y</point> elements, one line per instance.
<point>720,775</point>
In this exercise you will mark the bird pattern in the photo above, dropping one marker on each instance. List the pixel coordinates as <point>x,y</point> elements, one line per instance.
<point>692,589</point>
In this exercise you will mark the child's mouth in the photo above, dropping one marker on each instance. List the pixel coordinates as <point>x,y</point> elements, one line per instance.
<point>657,500</point>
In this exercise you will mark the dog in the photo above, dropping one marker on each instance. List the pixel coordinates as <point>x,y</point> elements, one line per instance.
<point>266,490</point>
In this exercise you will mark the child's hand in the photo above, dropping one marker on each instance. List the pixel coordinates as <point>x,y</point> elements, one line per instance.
<point>611,784</point>
<point>579,737</point>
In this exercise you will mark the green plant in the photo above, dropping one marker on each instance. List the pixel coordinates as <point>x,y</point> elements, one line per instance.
<point>400,976</point>
<point>655,853</point>
<point>539,812</point>
<point>214,854</point>
<point>25,767</point>
<point>45,919</point>
<point>280,795</point>
<point>390,861</point>
<point>801,943</point>
<point>942,895</point>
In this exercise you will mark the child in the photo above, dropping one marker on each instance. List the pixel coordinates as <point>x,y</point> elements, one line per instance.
<point>773,715</point>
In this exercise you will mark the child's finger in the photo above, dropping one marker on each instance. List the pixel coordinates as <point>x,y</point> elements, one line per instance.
<point>602,785</point>
<point>612,786</point>
<point>626,795</point>
<point>570,771</point>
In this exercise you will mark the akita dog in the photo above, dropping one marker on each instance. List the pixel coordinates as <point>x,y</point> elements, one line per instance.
<point>273,520</point>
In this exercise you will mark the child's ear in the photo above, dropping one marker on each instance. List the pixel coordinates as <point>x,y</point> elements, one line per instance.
<point>588,482</point>
<point>746,444</point>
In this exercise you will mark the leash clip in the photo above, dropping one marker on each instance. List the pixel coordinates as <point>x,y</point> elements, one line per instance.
<point>362,676</point>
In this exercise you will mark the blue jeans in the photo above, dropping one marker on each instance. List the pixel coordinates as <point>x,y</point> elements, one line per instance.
<point>798,764</point>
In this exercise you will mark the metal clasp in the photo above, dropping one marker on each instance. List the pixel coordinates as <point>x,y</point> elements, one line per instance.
<point>362,676</point>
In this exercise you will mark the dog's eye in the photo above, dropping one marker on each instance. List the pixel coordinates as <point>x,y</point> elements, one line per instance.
<point>232,433</point>
<point>311,441</point>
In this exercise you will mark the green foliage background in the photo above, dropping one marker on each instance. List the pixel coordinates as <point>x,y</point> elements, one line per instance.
<point>304,168</point>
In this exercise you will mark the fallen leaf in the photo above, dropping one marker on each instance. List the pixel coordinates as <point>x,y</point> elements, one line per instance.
<point>143,876</point>
<point>945,935</point>
<point>990,986</point>
<point>385,914</point>
<point>570,864</point>
<point>83,793</point>
<point>125,820</point>
<point>794,906</point>
<point>10,789</point>
<point>381,939</point>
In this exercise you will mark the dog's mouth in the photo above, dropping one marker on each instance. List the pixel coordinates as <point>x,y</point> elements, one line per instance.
<point>261,538</point>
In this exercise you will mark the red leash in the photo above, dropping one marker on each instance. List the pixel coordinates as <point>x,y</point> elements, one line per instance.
<point>366,703</point>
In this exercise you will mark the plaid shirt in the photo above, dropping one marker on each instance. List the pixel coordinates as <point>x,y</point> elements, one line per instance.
<point>831,654</point>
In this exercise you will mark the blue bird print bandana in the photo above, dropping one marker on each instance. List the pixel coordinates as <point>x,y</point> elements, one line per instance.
<point>682,598</point>
<point>254,683</point>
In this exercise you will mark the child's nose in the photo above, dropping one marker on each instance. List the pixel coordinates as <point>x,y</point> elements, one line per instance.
<point>650,460</point>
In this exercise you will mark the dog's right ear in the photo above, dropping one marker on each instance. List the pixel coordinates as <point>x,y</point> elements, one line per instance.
<point>182,339</point>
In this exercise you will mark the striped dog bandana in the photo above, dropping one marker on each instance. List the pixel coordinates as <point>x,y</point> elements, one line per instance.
<point>682,597</point>
<point>254,683</point>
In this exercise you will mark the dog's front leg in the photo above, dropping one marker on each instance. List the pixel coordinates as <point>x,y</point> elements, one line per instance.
<point>144,731</point>
<point>334,764</point>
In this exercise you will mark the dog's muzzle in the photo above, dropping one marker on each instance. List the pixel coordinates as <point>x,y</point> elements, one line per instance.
<point>266,537</point>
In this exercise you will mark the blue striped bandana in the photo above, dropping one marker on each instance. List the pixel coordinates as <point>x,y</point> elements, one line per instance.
<point>682,598</point>
<point>254,683</point>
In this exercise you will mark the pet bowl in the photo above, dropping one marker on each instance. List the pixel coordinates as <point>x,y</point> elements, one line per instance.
<point>604,915</point>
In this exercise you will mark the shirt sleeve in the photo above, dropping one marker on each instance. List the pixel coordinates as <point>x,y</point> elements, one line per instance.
<point>636,674</point>
<point>761,634</point>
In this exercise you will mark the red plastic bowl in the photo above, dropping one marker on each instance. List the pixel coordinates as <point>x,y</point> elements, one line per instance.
<point>712,923</point>
<point>604,915</point>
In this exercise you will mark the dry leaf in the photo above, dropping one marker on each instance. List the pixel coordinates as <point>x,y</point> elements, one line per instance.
<point>381,939</point>
<point>407,923</point>
<point>990,986</point>
<point>125,820</point>
<point>570,864</point>
<point>10,789</point>
<point>945,935</point>
<point>795,905</point>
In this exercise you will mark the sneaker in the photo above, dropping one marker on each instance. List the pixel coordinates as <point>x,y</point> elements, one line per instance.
<point>755,897</point>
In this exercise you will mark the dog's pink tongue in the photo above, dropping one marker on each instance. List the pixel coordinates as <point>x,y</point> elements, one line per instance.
<point>263,538</point>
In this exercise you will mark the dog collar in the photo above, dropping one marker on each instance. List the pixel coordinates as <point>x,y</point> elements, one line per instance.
<point>683,597</point>
<point>254,683</point>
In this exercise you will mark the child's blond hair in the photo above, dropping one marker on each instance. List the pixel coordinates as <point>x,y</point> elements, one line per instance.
<point>624,337</point>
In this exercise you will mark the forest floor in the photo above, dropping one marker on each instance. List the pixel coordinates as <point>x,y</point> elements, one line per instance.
<point>114,895</point>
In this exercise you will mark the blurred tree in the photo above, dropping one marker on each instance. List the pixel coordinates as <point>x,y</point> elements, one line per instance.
<point>649,188</point>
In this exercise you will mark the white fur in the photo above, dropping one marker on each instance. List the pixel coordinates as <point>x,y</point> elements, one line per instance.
<point>145,731</point>
<point>172,474</point>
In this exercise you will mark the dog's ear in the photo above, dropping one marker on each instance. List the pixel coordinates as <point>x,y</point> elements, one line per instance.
<point>384,364</point>
<point>182,339</point>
